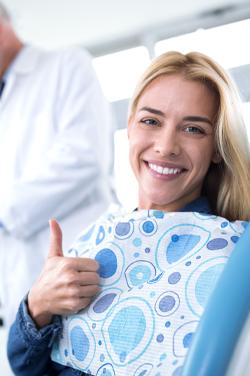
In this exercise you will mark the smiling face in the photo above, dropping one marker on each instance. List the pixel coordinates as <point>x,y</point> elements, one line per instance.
<point>171,138</point>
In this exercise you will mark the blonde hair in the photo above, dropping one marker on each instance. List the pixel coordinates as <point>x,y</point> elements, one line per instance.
<point>227,184</point>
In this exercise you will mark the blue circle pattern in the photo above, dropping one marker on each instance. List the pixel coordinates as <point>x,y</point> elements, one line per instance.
<point>160,338</point>
<point>167,303</point>
<point>217,243</point>
<point>234,238</point>
<point>103,303</point>
<point>148,227</point>
<point>136,324</point>
<point>139,275</point>
<point>180,246</point>
<point>128,318</point>
<point>123,228</point>
<point>158,214</point>
<point>139,272</point>
<point>206,283</point>
<point>137,242</point>
<point>187,340</point>
<point>224,224</point>
<point>108,262</point>
<point>174,278</point>
<point>79,343</point>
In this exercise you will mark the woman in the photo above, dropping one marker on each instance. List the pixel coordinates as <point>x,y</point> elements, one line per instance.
<point>190,155</point>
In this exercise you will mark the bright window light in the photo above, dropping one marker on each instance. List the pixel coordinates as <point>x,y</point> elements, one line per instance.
<point>227,44</point>
<point>246,114</point>
<point>119,72</point>
<point>125,182</point>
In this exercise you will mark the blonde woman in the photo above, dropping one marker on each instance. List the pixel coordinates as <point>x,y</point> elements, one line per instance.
<point>159,264</point>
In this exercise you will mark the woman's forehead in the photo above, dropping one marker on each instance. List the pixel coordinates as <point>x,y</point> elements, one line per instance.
<point>175,91</point>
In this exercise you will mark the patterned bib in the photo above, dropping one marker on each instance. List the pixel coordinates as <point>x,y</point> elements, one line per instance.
<point>157,271</point>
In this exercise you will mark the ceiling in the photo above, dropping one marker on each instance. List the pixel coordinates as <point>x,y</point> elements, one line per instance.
<point>98,23</point>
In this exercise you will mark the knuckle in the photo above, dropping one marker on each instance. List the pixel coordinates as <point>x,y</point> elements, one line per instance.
<point>70,278</point>
<point>73,291</point>
<point>96,278</point>
<point>90,291</point>
<point>91,278</point>
<point>73,305</point>
<point>90,264</point>
<point>65,265</point>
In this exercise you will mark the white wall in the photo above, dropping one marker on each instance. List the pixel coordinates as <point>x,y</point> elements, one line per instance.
<point>60,22</point>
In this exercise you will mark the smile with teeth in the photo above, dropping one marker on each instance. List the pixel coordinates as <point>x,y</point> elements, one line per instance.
<point>164,170</point>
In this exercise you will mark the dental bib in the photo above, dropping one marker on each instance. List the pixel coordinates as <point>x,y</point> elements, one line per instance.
<point>157,271</point>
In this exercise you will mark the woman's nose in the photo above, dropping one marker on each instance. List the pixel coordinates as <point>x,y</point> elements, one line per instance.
<point>167,143</point>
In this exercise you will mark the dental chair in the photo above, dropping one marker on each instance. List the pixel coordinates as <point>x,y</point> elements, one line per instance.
<point>221,345</point>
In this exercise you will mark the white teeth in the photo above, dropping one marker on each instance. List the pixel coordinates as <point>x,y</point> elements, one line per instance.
<point>164,170</point>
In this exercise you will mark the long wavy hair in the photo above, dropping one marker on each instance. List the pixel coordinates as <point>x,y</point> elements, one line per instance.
<point>227,184</point>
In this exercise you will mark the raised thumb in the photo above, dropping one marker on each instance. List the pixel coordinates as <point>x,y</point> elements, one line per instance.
<point>55,248</point>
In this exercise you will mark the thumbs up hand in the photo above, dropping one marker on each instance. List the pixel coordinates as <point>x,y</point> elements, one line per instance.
<point>65,285</point>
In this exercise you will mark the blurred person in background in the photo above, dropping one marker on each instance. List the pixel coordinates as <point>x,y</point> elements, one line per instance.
<point>55,154</point>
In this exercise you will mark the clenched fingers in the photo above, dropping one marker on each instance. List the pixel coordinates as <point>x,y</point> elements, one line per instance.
<point>88,291</point>
<point>88,278</point>
<point>76,304</point>
<point>82,264</point>
<point>77,290</point>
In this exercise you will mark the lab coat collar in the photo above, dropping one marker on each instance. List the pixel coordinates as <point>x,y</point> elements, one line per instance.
<point>25,61</point>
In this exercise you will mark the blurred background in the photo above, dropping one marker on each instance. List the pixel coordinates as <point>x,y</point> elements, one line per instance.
<point>122,37</point>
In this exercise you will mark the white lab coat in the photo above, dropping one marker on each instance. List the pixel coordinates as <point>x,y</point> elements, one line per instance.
<point>55,160</point>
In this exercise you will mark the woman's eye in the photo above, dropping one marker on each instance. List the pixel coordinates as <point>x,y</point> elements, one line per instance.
<point>193,129</point>
<point>151,122</point>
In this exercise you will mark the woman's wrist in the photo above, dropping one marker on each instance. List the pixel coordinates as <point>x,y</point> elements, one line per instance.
<point>39,315</point>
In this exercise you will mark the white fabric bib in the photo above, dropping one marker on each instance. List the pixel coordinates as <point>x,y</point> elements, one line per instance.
<point>157,271</point>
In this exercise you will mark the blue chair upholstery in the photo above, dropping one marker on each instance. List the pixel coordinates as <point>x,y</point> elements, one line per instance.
<point>226,313</point>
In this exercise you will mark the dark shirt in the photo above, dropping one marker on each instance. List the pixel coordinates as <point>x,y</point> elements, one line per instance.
<point>2,84</point>
<point>29,348</point>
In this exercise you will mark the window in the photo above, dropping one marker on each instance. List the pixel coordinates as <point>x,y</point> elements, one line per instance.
<point>227,44</point>
<point>125,181</point>
<point>118,72</point>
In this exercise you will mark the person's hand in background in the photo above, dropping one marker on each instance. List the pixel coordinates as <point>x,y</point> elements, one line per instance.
<point>65,285</point>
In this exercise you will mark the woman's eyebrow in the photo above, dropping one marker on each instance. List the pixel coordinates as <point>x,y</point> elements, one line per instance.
<point>152,110</point>
<point>186,118</point>
<point>198,118</point>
